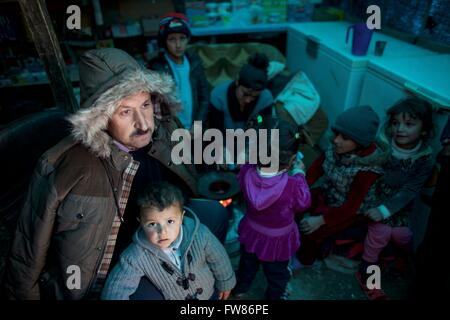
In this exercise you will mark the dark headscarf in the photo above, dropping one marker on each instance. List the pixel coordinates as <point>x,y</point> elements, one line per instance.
<point>253,75</point>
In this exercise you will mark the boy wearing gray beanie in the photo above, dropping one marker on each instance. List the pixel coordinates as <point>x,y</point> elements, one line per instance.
<point>349,167</point>
<point>360,124</point>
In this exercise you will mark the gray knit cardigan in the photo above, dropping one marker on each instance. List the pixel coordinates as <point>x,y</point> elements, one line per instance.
<point>205,266</point>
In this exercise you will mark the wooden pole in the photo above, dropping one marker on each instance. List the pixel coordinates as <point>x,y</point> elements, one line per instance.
<point>47,45</point>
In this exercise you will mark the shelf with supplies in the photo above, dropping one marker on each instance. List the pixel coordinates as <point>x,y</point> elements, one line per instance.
<point>35,78</point>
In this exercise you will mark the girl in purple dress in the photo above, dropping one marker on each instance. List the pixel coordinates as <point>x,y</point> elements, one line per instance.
<point>268,233</point>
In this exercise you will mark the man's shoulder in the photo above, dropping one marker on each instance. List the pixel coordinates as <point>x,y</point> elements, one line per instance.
<point>219,94</point>
<point>166,127</point>
<point>266,96</point>
<point>162,138</point>
<point>68,151</point>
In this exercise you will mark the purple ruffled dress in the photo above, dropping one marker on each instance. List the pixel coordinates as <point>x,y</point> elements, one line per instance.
<point>268,228</point>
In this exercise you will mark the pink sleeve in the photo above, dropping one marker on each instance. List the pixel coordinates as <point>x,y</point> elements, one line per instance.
<point>301,194</point>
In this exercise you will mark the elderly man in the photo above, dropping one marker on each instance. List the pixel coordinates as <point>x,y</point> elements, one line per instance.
<point>68,230</point>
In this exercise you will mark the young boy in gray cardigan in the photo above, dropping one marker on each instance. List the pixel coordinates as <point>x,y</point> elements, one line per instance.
<point>178,254</point>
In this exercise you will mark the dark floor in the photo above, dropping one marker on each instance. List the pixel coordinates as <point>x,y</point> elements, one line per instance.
<point>330,279</point>
<point>322,283</point>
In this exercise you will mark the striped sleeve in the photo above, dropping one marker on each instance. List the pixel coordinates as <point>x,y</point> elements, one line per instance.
<point>124,279</point>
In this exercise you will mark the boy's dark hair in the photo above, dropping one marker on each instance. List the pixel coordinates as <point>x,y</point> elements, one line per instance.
<point>289,138</point>
<point>417,109</point>
<point>160,196</point>
<point>253,75</point>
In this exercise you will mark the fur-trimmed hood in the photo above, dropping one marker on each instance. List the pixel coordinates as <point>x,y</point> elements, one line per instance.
<point>106,77</point>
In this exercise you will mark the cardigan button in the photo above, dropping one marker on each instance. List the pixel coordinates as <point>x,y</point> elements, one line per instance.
<point>80,216</point>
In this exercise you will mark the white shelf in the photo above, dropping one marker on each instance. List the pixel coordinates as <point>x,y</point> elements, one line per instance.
<point>331,37</point>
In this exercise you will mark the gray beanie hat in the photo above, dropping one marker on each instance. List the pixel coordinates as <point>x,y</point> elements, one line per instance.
<point>358,123</point>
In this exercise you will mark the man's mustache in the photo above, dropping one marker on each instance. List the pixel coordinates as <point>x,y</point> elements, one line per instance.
<point>139,132</point>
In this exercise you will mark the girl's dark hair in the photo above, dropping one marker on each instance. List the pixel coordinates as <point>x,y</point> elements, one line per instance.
<point>259,60</point>
<point>416,109</point>
<point>289,138</point>
<point>160,196</point>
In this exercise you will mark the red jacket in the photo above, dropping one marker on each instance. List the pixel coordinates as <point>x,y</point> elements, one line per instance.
<point>360,186</point>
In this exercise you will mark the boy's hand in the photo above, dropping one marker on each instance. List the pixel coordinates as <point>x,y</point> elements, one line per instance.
<point>310,224</point>
<point>223,295</point>
<point>374,214</point>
